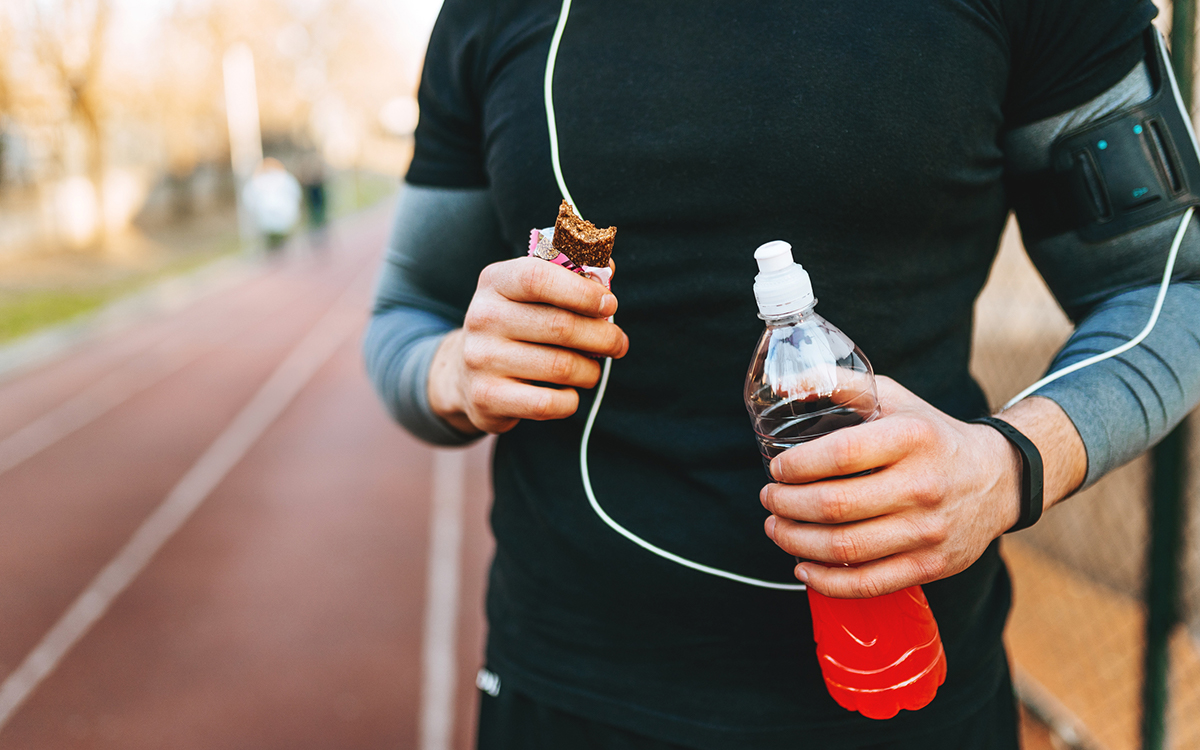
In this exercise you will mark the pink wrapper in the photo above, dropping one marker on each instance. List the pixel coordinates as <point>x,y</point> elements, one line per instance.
<point>541,246</point>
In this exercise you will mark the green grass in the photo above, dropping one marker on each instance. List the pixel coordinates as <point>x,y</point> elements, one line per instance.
<point>26,310</point>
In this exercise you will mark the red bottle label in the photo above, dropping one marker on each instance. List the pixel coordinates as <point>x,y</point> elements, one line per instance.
<point>879,655</point>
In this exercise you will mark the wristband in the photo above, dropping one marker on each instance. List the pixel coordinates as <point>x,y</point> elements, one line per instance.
<point>1031,471</point>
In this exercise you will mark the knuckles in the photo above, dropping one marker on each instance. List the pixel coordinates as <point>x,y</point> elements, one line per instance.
<point>867,587</point>
<point>928,568</point>
<point>477,354</point>
<point>933,533</point>
<point>845,547</point>
<point>846,454</point>
<point>535,279</point>
<point>482,315</point>
<point>915,434</point>
<point>487,277</point>
<point>927,489</point>
<point>834,504</point>
<point>563,327</point>
<point>480,394</point>
<point>554,404</point>
<point>561,367</point>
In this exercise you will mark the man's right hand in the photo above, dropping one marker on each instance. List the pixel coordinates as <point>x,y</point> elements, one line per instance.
<point>530,323</point>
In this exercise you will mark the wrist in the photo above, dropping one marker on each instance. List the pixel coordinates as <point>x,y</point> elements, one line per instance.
<point>443,387</point>
<point>1006,477</point>
<point>1064,457</point>
<point>1031,474</point>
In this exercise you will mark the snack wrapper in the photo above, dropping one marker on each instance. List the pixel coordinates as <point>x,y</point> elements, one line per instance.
<point>541,245</point>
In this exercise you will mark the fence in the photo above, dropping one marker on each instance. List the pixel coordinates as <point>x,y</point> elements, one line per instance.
<point>1105,630</point>
<point>1079,631</point>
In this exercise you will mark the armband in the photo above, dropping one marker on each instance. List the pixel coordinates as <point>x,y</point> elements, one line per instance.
<point>1130,169</point>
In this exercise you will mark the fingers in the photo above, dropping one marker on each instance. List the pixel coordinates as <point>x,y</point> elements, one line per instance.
<point>857,543</point>
<point>542,324</point>
<point>542,303</point>
<point>531,323</point>
<point>534,280</point>
<point>503,358</point>
<point>835,501</point>
<point>873,579</point>
<point>853,450</point>
<point>496,404</point>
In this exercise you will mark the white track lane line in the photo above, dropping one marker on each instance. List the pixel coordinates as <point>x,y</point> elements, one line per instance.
<point>285,383</point>
<point>439,667</point>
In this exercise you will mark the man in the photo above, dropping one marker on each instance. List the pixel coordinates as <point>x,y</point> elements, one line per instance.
<point>878,139</point>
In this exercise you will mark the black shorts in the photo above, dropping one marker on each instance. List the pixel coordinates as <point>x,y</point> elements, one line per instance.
<point>513,721</point>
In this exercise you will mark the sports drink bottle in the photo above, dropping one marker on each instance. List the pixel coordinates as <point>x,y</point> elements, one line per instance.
<point>807,379</point>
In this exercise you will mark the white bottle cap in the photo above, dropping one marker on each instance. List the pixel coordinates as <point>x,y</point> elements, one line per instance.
<point>782,286</point>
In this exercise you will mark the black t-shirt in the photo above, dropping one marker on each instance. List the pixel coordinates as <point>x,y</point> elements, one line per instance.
<point>866,134</point>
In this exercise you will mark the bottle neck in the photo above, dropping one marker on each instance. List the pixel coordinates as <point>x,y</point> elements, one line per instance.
<point>788,319</point>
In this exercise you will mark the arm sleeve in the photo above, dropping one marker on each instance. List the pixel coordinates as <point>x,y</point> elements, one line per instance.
<point>441,239</point>
<point>1123,405</point>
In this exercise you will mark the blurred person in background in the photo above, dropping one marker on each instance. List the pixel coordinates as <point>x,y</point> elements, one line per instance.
<point>880,139</point>
<point>313,180</point>
<point>272,196</point>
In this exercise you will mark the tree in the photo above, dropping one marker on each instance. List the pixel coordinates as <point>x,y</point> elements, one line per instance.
<point>69,39</point>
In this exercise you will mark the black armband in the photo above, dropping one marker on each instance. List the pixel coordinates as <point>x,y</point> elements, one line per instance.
<point>1128,170</point>
<point>1031,471</point>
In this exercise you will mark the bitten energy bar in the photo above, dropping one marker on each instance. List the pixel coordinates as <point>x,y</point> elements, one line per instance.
<point>589,246</point>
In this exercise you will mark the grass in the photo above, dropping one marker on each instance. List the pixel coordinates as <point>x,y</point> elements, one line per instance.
<point>26,309</point>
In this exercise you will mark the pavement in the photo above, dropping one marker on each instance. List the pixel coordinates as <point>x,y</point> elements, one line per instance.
<point>212,535</point>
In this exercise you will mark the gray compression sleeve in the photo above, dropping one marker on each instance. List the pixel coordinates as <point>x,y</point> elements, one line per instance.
<point>440,240</point>
<point>1125,404</point>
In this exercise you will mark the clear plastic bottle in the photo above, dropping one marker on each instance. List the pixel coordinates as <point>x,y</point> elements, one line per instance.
<point>807,379</point>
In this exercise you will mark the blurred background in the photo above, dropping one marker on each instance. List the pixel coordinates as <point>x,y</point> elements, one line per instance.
<point>210,533</point>
<point>119,118</point>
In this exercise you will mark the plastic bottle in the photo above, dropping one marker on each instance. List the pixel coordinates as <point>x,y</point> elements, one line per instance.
<point>806,380</point>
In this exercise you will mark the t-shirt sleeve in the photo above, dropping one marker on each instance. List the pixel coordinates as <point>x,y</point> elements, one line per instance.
<point>448,149</point>
<point>1066,52</point>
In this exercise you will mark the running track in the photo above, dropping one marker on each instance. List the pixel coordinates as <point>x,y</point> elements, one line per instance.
<point>211,536</point>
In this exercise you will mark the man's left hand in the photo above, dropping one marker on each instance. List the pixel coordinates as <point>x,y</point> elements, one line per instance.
<point>939,492</point>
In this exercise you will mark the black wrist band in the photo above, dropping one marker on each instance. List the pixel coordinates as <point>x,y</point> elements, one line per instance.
<point>1031,471</point>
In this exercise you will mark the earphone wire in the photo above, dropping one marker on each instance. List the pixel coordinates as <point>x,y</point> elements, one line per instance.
<point>1158,303</point>
<point>1167,271</point>
<point>602,386</point>
<point>548,94</point>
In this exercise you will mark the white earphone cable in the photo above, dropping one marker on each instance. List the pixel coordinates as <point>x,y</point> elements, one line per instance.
<point>548,95</point>
<point>552,127</point>
<point>1158,303</point>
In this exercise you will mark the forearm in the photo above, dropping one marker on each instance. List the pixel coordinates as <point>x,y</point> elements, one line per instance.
<point>400,349</point>
<point>440,240</point>
<point>1121,406</point>
<point>1064,456</point>
<point>1125,404</point>
<point>445,400</point>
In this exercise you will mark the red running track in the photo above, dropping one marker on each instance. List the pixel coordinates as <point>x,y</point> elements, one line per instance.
<point>285,607</point>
